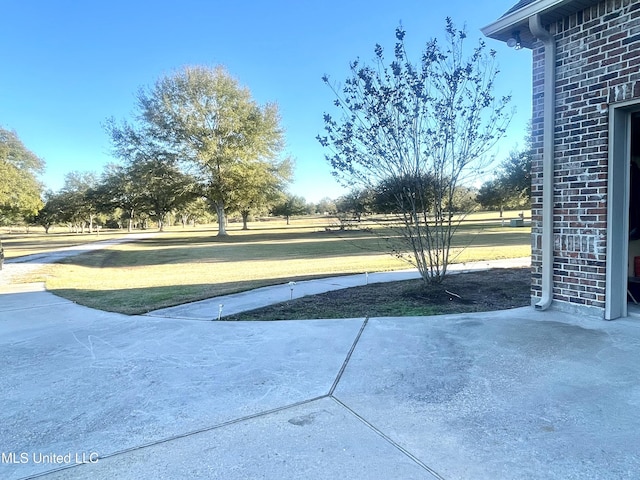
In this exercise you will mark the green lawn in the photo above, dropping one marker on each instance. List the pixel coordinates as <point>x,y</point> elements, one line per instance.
<point>180,266</point>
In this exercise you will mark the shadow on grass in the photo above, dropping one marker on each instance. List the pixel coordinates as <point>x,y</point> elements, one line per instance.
<point>171,252</point>
<point>138,301</point>
<point>497,289</point>
<point>313,246</point>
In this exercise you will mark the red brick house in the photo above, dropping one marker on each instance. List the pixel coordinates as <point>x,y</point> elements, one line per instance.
<point>586,139</point>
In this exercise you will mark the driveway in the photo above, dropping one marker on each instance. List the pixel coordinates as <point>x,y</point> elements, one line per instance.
<point>499,395</point>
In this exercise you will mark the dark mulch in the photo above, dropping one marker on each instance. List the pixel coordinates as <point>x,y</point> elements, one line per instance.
<point>496,289</point>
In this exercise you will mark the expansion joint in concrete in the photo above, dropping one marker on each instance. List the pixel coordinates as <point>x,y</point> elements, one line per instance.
<point>362,419</point>
<point>389,440</point>
<point>183,435</point>
<point>348,358</point>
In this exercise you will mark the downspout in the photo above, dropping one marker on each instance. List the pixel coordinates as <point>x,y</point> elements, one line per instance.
<point>536,28</point>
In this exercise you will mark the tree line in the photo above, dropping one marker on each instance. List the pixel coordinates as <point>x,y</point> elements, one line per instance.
<point>136,194</point>
<point>198,143</point>
<point>136,198</point>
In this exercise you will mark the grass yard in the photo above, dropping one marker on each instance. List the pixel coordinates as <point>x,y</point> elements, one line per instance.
<point>180,266</point>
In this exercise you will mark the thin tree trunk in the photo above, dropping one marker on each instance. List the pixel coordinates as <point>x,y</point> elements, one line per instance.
<point>245,219</point>
<point>222,224</point>
<point>130,224</point>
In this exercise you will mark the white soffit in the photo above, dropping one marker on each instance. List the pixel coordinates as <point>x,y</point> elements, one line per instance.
<point>518,21</point>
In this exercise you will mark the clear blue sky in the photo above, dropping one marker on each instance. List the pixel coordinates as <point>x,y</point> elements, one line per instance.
<point>65,66</point>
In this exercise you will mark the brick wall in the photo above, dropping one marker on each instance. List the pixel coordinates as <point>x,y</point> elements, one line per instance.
<point>598,63</point>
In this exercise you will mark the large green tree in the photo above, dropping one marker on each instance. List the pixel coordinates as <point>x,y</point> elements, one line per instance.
<point>426,128</point>
<point>394,194</point>
<point>326,206</point>
<point>204,118</point>
<point>20,190</point>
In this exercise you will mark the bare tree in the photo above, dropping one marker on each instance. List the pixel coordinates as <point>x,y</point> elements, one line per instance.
<point>425,128</point>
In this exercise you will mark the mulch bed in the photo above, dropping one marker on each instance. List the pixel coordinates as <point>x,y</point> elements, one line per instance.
<point>496,289</point>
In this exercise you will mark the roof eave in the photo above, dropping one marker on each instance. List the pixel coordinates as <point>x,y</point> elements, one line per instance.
<point>518,21</point>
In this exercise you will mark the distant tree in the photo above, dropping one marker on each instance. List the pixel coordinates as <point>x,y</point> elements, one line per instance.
<point>326,206</point>
<point>79,208</point>
<point>162,187</point>
<point>395,194</point>
<point>289,206</point>
<point>351,206</point>
<point>20,190</point>
<point>52,213</point>
<point>404,123</point>
<point>464,200</point>
<point>492,196</point>
<point>64,207</point>
<point>511,188</point>
<point>259,187</point>
<point>195,211</point>
<point>206,119</point>
<point>117,190</point>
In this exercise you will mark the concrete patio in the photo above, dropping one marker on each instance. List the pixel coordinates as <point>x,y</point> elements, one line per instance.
<point>500,395</point>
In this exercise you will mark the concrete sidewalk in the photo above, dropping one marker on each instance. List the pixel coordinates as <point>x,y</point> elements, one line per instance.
<point>516,394</point>
<point>261,297</point>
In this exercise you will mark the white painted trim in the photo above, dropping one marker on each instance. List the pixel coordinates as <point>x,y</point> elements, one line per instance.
<point>522,15</point>
<point>618,198</point>
<point>548,158</point>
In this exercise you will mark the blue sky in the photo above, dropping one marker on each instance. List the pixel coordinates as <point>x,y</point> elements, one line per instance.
<point>65,66</point>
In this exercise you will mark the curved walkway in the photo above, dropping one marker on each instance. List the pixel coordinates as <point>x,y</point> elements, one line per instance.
<point>511,394</point>
<point>212,308</point>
